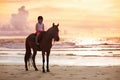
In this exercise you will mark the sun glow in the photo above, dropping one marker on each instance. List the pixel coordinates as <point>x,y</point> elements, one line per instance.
<point>85,41</point>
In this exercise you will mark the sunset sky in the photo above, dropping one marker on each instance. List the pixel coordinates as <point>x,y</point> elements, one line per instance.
<point>79,18</point>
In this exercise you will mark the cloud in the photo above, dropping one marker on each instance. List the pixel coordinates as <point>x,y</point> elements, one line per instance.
<point>19,20</point>
<point>18,24</point>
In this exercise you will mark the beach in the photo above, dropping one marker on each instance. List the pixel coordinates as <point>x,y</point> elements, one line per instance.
<point>17,72</point>
<point>67,62</point>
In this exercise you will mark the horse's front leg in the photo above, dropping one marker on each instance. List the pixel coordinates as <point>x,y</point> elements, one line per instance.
<point>43,59</point>
<point>33,57</point>
<point>48,53</point>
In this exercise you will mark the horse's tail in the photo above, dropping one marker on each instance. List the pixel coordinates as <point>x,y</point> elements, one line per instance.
<point>28,54</point>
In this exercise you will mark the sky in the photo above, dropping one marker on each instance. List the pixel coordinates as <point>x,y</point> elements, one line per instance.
<point>77,18</point>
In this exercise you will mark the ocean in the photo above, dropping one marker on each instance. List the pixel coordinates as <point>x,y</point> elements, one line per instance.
<point>79,52</point>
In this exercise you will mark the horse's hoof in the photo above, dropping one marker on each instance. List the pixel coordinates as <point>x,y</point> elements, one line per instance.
<point>36,69</point>
<point>43,71</point>
<point>48,70</point>
<point>26,69</point>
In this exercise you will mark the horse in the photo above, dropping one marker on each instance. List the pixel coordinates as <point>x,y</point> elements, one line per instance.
<point>45,45</point>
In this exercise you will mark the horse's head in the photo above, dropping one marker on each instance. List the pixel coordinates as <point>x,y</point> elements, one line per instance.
<point>55,32</point>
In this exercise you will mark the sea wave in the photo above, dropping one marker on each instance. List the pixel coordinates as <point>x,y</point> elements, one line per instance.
<point>68,43</point>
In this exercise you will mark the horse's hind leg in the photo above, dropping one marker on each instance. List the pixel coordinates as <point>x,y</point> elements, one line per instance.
<point>26,59</point>
<point>33,57</point>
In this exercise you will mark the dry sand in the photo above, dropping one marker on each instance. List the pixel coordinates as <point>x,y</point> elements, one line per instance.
<point>17,72</point>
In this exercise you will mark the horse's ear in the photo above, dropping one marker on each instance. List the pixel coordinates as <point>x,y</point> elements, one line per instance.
<point>53,24</point>
<point>58,24</point>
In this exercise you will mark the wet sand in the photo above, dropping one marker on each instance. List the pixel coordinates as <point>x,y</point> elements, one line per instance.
<point>17,72</point>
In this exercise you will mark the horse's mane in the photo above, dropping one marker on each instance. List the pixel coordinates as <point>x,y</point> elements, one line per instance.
<point>50,29</point>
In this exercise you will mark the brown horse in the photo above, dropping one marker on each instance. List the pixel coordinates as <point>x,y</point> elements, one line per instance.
<point>45,46</point>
